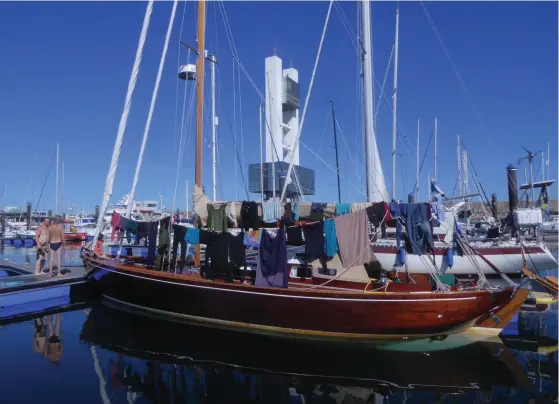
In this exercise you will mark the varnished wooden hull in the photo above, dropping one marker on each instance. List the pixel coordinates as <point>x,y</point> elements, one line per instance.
<point>295,312</point>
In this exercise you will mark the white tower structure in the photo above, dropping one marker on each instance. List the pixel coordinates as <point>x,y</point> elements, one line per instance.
<point>282,111</point>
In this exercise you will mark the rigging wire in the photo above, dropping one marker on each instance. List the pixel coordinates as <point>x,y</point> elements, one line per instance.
<point>182,144</point>
<point>29,188</point>
<point>152,107</point>
<point>275,151</point>
<point>241,118</point>
<point>107,192</point>
<point>476,178</point>
<point>324,130</point>
<point>231,134</point>
<point>45,182</point>
<point>178,67</point>
<point>382,94</point>
<point>331,168</point>
<point>384,81</point>
<point>290,169</point>
<point>424,156</point>
<point>235,126</point>
<point>345,23</point>
<point>347,148</point>
<point>455,69</point>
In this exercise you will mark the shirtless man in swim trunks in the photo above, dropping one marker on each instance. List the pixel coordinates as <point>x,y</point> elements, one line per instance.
<point>56,232</point>
<point>42,240</point>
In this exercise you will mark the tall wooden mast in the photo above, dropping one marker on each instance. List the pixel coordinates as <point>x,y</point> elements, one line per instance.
<point>200,101</point>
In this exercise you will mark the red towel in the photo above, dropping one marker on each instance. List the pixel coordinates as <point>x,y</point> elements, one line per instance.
<point>115,223</point>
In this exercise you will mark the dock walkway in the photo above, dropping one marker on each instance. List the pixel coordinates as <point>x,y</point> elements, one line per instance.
<point>27,293</point>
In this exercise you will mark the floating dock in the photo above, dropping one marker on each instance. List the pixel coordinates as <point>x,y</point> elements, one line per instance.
<point>23,293</point>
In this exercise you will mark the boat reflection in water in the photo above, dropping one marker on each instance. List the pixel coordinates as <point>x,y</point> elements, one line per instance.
<point>164,361</point>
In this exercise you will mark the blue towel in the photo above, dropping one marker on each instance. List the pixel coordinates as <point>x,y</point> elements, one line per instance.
<point>192,236</point>
<point>342,209</point>
<point>271,212</point>
<point>330,241</point>
<point>252,238</point>
<point>296,211</point>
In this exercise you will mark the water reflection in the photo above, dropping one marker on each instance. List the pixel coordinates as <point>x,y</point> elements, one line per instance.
<point>116,356</point>
<point>46,339</point>
<point>163,361</point>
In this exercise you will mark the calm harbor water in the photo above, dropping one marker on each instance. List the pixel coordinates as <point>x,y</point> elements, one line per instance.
<point>106,354</point>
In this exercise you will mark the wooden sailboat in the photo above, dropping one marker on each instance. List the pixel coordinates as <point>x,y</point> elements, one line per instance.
<point>296,311</point>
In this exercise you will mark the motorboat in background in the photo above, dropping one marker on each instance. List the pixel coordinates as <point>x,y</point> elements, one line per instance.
<point>551,224</point>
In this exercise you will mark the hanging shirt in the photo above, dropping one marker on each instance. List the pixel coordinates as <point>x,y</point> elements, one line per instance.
<point>271,212</point>
<point>287,217</point>
<point>237,251</point>
<point>142,231</point>
<point>294,236</point>
<point>438,210</point>
<point>377,212</point>
<point>179,233</point>
<point>416,219</point>
<point>129,226</point>
<point>342,209</point>
<point>271,269</point>
<point>249,215</point>
<point>220,251</point>
<point>314,240</point>
<point>217,219</point>
<point>353,239</point>
<point>152,242</point>
<point>231,213</point>
<point>192,235</point>
<point>330,241</point>
<point>164,236</point>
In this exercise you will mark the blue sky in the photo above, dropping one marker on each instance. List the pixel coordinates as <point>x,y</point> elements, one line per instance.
<point>66,65</point>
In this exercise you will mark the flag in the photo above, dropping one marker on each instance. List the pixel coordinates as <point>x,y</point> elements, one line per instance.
<point>436,190</point>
